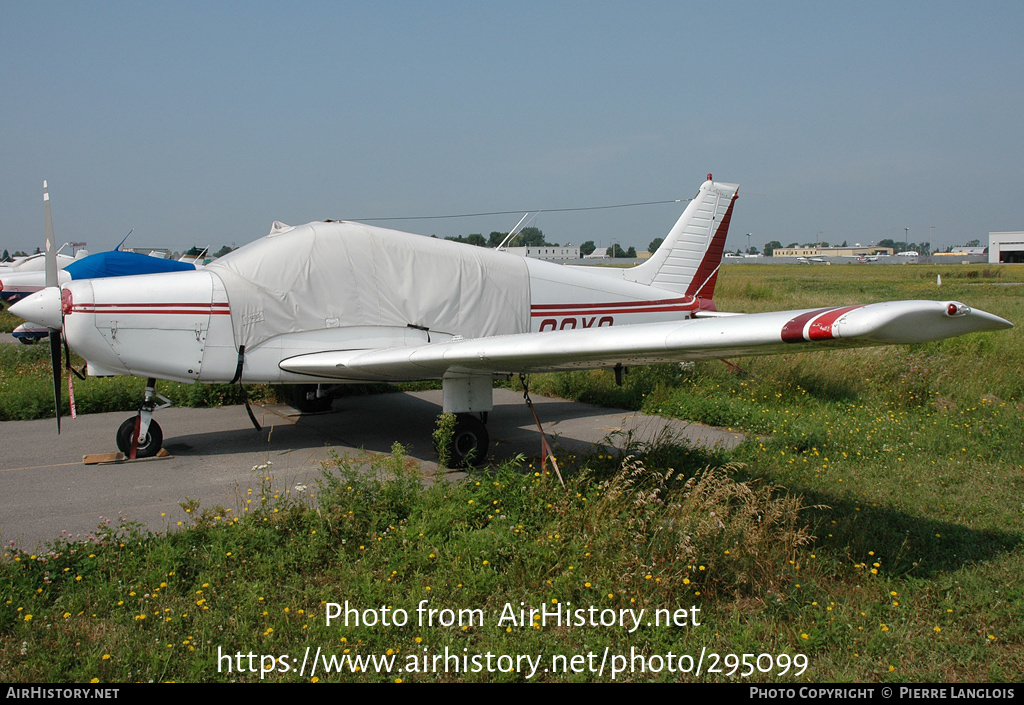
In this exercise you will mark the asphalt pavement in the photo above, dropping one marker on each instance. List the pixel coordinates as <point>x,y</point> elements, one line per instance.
<point>45,489</point>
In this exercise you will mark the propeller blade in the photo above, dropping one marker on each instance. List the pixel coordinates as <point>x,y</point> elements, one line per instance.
<point>51,281</point>
<point>55,366</point>
<point>51,248</point>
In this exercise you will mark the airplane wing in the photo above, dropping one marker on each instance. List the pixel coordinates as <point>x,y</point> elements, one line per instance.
<point>695,339</point>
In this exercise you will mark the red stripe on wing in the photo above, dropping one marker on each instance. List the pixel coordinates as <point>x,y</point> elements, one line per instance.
<point>821,327</point>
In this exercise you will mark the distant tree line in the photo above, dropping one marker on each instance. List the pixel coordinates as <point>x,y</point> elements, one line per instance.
<point>527,237</point>
<point>534,237</point>
<point>7,257</point>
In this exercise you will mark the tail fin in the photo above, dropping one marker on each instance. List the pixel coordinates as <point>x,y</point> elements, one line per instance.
<point>688,260</point>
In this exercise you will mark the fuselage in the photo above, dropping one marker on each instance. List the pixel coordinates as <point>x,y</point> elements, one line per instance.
<point>338,286</point>
<point>185,326</point>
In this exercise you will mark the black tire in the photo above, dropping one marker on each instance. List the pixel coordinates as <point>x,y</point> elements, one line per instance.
<point>304,399</point>
<point>470,441</point>
<point>28,341</point>
<point>148,446</point>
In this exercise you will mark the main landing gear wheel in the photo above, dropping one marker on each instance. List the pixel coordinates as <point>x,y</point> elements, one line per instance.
<point>305,399</point>
<point>147,447</point>
<point>469,441</point>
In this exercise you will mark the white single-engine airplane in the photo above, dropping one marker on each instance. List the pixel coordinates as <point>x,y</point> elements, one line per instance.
<point>37,262</point>
<point>337,302</point>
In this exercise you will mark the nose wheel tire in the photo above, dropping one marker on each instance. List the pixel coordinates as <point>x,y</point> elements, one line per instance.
<point>469,441</point>
<point>147,446</point>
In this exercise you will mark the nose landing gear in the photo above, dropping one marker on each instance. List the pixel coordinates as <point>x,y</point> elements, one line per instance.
<point>140,436</point>
<point>147,445</point>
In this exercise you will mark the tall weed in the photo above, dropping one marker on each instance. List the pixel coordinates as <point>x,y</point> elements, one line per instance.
<point>710,531</point>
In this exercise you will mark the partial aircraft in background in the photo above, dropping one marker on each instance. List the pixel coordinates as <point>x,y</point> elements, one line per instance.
<point>115,263</point>
<point>18,284</point>
<point>37,262</point>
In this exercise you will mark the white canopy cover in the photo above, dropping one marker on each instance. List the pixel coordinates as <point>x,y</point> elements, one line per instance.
<point>340,274</point>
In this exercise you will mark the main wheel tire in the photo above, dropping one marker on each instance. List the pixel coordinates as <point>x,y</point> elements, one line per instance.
<point>147,447</point>
<point>304,399</point>
<point>470,441</point>
<point>28,341</point>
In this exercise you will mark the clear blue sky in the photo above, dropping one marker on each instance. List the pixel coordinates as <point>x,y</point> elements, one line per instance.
<point>204,122</point>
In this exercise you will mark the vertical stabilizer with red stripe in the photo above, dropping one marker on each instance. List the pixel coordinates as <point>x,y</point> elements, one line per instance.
<point>688,260</point>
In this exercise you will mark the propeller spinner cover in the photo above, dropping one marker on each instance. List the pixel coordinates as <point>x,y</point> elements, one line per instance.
<point>42,307</point>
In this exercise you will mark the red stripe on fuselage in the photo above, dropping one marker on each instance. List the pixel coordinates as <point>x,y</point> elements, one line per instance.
<point>175,304</point>
<point>616,304</point>
<point>599,311</point>
<point>686,303</point>
<point>213,309</point>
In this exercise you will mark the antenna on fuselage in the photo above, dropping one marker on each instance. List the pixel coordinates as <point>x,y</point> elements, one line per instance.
<point>118,248</point>
<point>515,230</point>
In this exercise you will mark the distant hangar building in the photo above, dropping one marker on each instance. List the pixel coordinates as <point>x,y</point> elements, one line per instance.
<point>547,252</point>
<point>1006,248</point>
<point>855,251</point>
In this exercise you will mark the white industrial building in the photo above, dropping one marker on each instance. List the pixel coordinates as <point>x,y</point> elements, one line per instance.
<point>547,252</point>
<point>1007,248</point>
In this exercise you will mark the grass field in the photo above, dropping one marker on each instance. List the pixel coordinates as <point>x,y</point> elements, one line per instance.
<point>872,532</point>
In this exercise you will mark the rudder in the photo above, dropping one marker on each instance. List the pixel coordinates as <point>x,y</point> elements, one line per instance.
<point>688,260</point>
